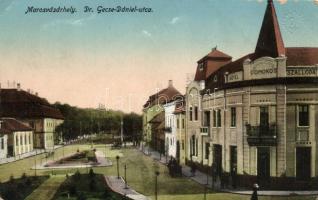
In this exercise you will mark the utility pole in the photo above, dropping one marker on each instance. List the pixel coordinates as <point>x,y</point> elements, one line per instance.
<point>121,131</point>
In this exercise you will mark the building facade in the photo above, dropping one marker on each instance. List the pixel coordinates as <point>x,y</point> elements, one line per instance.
<point>255,118</point>
<point>153,111</point>
<point>33,111</point>
<point>19,137</point>
<point>3,143</point>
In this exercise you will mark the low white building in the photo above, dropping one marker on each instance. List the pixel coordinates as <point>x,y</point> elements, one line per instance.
<point>17,138</point>
<point>170,129</point>
<point>3,142</point>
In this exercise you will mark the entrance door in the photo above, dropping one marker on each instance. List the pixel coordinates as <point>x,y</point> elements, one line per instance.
<point>233,161</point>
<point>217,158</point>
<point>263,163</point>
<point>178,151</point>
<point>303,163</point>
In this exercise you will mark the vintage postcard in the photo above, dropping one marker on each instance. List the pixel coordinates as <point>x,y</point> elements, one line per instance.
<point>159,99</point>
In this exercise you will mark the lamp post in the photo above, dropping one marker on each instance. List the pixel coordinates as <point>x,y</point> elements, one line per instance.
<point>35,162</point>
<point>126,187</point>
<point>117,159</point>
<point>156,185</point>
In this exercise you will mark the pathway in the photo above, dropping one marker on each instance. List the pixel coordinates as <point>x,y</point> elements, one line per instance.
<point>118,185</point>
<point>47,190</point>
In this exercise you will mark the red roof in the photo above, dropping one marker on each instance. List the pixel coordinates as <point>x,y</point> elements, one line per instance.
<point>21,104</point>
<point>301,56</point>
<point>270,41</point>
<point>10,125</point>
<point>211,63</point>
<point>163,96</point>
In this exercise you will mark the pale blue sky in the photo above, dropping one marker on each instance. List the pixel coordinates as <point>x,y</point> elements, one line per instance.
<point>85,53</point>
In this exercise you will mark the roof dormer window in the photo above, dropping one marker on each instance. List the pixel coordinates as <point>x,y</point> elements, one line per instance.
<point>201,66</point>
<point>215,78</point>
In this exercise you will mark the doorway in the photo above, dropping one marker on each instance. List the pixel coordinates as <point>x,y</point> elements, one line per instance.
<point>303,163</point>
<point>217,158</point>
<point>263,163</point>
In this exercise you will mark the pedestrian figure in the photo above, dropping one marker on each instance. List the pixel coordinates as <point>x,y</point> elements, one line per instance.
<point>234,174</point>
<point>254,195</point>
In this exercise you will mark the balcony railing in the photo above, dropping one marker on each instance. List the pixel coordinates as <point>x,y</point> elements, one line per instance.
<point>261,135</point>
<point>205,130</point>
<point>168,129</point>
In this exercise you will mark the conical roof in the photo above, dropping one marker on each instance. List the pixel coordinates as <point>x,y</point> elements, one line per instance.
<point>270,41</point>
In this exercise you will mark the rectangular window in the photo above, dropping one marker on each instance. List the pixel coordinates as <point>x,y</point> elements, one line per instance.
<point>264,116</point>
<point>214,118</point>
<point>17,140</point>
<point>206,118</point>
<point>2,143</point>
<point>207,150</point>
<point>191,113</point>
<point>196,147</point>
<point>178,123</point>
<point>196,113</point>
<point>233,117</point>
<point>303,115</point>
<point>218,118</point>
<point>182,144</point>
<point>183,125</point>
<point>21,138</point>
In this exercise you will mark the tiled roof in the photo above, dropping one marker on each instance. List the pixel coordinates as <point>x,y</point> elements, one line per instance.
<point>163,96</point>
<point>211,63</point>
<point>301,56</point>
<point>21,104</point>
<point>10,125</point>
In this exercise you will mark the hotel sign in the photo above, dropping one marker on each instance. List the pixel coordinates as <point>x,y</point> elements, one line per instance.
<point>301,71</point>
<point>263,68</point>
<point>236,76</point>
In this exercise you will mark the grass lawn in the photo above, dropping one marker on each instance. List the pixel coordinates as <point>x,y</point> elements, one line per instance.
<point>140,175</point>
<point>47,189</point>
<point>19,189</point>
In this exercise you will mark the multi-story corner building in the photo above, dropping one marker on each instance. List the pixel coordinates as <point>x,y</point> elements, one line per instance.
<point>152,108</point>
<point>33,111</point>
<point>257,116</point>
<point>19,137</point>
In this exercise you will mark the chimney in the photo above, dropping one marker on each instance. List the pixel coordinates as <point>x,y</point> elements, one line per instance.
<point>170,83</point>
<point>36,94</point>
<point>18,86</point>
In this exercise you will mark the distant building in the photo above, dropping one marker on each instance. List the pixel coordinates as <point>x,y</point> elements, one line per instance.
<point>33,111</point>
<point>153,107</point>
<point>19,137</point>
<point>257,116</point>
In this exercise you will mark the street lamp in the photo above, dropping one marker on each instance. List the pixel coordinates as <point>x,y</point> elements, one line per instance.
<point>156,185</point>
<point>35,162</point>
<point>117,159</point>
<point>126,187</point>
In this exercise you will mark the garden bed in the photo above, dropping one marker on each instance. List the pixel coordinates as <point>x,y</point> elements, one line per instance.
<point>19,189</point>
<point>79,158</point>
<point>86,186</point>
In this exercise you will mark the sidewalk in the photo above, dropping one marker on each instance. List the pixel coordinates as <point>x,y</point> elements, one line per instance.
<point>201,178</point>
<point>118,186</point>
